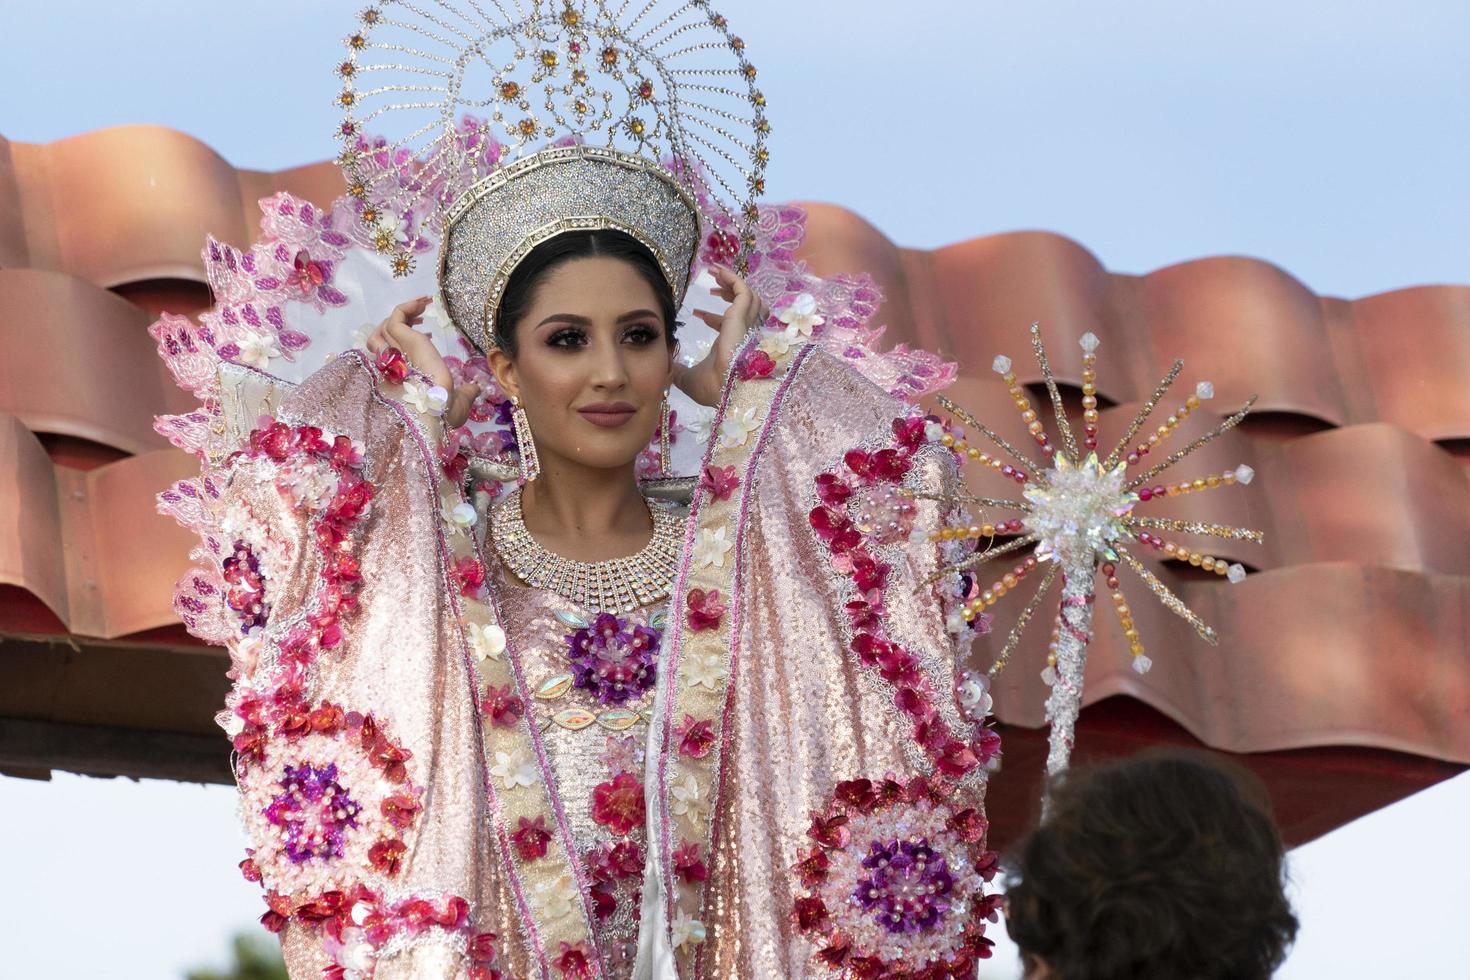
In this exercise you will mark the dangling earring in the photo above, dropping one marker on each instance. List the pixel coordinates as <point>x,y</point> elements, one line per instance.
<point>665,466</point>
<point>525,445</point>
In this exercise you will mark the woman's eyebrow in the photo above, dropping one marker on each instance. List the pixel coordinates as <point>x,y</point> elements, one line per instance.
<point>583,321</point>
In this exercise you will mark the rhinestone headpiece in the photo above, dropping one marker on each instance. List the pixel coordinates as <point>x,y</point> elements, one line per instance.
<point>542,116</point>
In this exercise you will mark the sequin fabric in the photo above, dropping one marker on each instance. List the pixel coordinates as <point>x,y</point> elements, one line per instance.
<point>803,715</point>
<point>595,743</point>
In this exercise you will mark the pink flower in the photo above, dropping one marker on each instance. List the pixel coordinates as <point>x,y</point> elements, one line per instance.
<point>756,364</point>
<point>705,609</point>
<point>392,365</point>
<point>618,805</point>
<point>469,575</point>
<point>502,706</point>
<point>574,961</point>
<point>720,481</point>
<point>695,737</point>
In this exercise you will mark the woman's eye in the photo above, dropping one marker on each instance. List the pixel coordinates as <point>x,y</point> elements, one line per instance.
<point>640,335</point>
<point>566,337</point>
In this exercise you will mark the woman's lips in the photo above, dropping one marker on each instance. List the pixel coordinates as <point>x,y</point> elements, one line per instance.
<point>608,415</point>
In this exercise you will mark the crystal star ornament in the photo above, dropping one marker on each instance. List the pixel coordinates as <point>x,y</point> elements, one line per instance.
<point>1078,508</point>
<point>1079,518</point>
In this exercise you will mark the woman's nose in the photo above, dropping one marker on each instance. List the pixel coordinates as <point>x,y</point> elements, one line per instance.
<point>609,371</point>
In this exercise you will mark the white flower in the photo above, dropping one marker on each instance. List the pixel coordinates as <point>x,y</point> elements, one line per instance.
<point>488,639</point>
<point>711,548</point>
<point>258,350</point>
<point>361,334</point>
<point>460,516</point>
<point>933,431</point>
<point>688,800</point>
<point>555,897</point>
<point>514,770</point>
<point>396,230</point>
<point>425,399</point>
<point>695,352</point>
<point>701,418</point>
<point>705,670</point>
<point>687,930</point>
<point>777,343</point>
<point>357,954</point>
<point>736,427</point>
<point>801,316</point>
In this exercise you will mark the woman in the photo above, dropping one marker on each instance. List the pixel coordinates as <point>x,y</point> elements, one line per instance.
<point>568,729</point>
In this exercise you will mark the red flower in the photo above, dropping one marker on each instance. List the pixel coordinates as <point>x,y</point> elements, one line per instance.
<point>391,759</point>
<point>811,914</point>
<point>987,744</point>
<point>828,523</point>
<point>574,961</point>
<point>400,809</point>
<point>469,574</point>
<point>456,466</point>
<point>829,831</point>
<point>604,901</point>
<point>857,793</point>
<point>835,952</point>
<point>913,703</point>
<point>705,609</point>
<point>501,706</point>
<point>387,855</point>
<point>970,824</point>
<point>956,759</point>
<point>327,719</point>
<point>345,453</point>
<point>720,481</point>
<point>812,868</point>
<point>250,870</point>
<point>618,805</point>
<point>695,737</point>
<point>910,432</point>
<point>530,838</point>
<point>687,863</point>
<point>868,574</point>
<point>625,859</point>
<point>756,364</point>
<point>832,490</point>
<point>482,947</point>
<point>392,365</point>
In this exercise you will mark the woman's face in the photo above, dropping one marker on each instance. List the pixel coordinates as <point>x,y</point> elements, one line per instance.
<point>592,363</point>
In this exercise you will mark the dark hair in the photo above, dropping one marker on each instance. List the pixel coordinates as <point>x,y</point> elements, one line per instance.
<point>520,290</point>
<point>1164,866</point>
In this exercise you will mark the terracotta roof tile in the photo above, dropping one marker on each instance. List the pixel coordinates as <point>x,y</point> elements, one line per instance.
<point>1353,634</point>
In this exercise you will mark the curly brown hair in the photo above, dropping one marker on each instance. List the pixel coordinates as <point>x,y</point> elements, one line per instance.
<point>1163,866</point>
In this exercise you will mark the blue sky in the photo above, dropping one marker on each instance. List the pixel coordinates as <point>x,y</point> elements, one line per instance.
<point>1328,137</point>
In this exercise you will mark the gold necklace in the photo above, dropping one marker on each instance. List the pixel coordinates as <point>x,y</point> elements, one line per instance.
<point>617,585</point>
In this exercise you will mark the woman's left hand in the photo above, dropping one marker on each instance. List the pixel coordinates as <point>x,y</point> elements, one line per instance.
<point>704,381</point>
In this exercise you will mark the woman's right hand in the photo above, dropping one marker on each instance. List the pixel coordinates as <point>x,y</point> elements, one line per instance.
<point>398,331</point>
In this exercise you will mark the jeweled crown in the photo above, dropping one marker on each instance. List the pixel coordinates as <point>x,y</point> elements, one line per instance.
<point>550,116</point>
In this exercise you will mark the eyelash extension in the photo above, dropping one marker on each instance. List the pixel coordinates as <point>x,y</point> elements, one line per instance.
<point>573,337</point>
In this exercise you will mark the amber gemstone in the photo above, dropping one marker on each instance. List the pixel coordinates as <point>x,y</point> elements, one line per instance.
<point>509,90</point>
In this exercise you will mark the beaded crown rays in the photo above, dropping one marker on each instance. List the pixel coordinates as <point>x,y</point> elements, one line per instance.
<point>522,119</point>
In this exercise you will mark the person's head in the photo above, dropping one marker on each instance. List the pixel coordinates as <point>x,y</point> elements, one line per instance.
<point>584,337</point>
<point>1164,866</point>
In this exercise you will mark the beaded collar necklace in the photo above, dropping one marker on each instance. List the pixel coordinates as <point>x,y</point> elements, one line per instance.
<point>617,585</point>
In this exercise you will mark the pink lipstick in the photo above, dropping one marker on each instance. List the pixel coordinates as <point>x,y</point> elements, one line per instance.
<point>608,415</point>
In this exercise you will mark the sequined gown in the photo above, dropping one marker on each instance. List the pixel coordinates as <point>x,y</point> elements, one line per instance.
<point>592,676</point>
<point>437,782</point>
